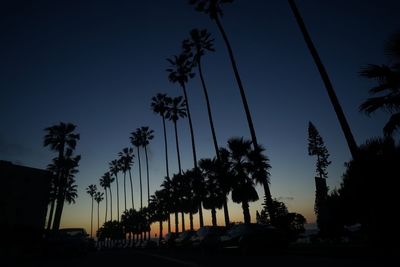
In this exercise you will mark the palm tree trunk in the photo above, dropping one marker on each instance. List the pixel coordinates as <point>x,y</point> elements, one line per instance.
<point>169,223</point>
<point>161,232</point>
<point>60,205</point>
<point>191,220</point>
<point>246,212</point>
<point>328,85</point>
<point>140,179</point>
<point>98,216</point>
<point>210,118</point>
<point>147,173</point>
<point>50,219</point>
<point>177,148</point>
<point>130,180</point>
<point>176,222</point>
<point>105,215</point>
<point>226,213</point>
<point>269,202</point>
<point>214,216</point>
<point>239,82</point>
<point>125,190</point>
<point>111,207</point>
<point>91,221</point>
<point>116,179</point>
<point>183,221</point>
<point>165,145</point>
<point>190,126</point>
<point>201,215</point>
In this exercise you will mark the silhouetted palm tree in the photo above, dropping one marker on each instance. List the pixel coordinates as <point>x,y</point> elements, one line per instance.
<point>243,190</point>
<point>214,9</point>
<point>158,210</point>
<point>198,43</point>
<point>91,190</point>
<point>115,167</point>
<point>388,78</point>
<point>105,183</point>
<point>136,140</point>
<point>126,157</point>
<point>71,192</point>
<point>225,179</point>
<point>147,135</point>
<point>328,85</point>
<point>60,138</point>
<point>159,105</point>
<point>214,194</point>
<point>98,197</point>
<point>176,110</point>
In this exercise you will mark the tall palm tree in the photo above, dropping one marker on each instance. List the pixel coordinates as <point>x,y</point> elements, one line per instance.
<point>147,135</point>
<point>198,43</point>
<point>176,110</point>
<point>126,158</point>
<point>136,140</point>
<point>60,138</point>
<point>115,167</point>
<point>108,180</point>
<point>328,85</point>
<point>224,177</point>
<point>214,9</point>
<point>243,190</point>
<point>159,105</point>
<point>91,190</point>
<point>105,183</point>
<point>98,197</point>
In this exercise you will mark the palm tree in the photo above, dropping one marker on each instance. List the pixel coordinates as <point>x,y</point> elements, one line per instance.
<point>243,190</point>
<point>214,194</point>
<point>159,105</point>
<point>224,177</point>
<point>108,180</point>
<point>176,110</point>
<point>98,196</point>
<point>328,85</point>
<point>214,9</point>
<point>147,135</point>
<point>126,157</point>
<point>198,43</point>
<point>388,78</point>
<point>136,140</point>
<point>115,167</point>
<point>60,138</point>
<point>91,190</point>
<point>158,210</point>
<point>105,184</point>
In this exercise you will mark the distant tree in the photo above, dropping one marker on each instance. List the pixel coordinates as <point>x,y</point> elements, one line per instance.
<point>159,105</point>
<point>316,147</point>
<point>388,88</point>
<point>147,136</point>
<point>158,210</point>
<point>126,161</point>
<point>168,198</point>
<point>105,183</point>
<point>98,196</point>
<point>91,190</point>
<point>136,140</point>
<point>115,168</point>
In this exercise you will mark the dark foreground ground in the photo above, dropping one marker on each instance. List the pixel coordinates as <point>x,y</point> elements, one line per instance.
<point>173,257</point>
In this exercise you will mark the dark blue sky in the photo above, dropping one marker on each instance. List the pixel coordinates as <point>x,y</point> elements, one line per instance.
<point>98,63</point>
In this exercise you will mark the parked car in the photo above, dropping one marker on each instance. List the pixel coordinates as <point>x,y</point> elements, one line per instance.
<point>254,237</point>
<point>70,241</point>
<point>169,240</point>
<point>208,237</point>
<point>184,239</point>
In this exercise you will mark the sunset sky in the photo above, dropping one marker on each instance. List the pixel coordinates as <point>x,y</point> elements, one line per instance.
<point>97,64</point>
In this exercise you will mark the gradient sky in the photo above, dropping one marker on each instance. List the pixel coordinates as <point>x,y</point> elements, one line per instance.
<point>98,63</point>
